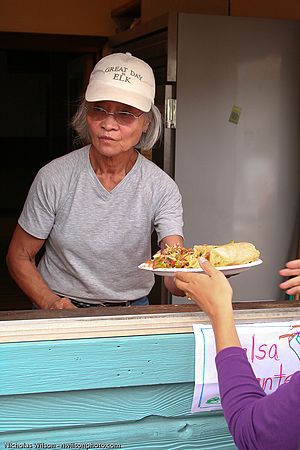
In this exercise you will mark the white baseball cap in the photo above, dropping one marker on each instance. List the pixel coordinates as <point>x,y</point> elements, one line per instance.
<point>123,78</point>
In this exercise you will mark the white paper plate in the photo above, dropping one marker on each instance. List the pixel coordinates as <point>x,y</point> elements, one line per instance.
<point>227,270</point>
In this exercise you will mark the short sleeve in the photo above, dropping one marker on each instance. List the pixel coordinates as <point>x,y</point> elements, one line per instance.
<point>168,219</point>
<point>38,214</point>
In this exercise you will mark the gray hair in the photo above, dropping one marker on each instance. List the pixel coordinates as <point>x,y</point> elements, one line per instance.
<point>147,140</point>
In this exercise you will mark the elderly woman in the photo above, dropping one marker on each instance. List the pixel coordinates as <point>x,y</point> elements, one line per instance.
<point>95,208</point>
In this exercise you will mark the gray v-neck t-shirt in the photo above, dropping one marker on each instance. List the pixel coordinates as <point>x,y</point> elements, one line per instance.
<point>95,239</point>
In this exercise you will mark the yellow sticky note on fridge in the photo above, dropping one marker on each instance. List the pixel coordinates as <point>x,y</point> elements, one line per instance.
<point>235,114</point>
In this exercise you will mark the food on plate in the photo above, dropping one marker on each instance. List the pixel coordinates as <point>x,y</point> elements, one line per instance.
<point>233,253</point>
<point>174,257</point>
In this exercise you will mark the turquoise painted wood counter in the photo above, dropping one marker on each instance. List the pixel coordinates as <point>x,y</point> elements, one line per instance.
<point>103,381</point>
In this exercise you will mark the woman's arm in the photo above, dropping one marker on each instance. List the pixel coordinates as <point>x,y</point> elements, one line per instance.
<point>22,267</point>
<point>255,420</point>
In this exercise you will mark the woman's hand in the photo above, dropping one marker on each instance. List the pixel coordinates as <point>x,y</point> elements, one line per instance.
<point>213,293</point>
<point>63,303</point>
<point>292,269</point>
<point>210,290</point>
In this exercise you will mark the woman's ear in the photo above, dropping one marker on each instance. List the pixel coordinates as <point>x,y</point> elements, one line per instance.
<point>146,125</point>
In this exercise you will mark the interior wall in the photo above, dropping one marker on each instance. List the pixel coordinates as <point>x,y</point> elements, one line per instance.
<point>75,17</point>
<point>274,9</point>
<point>154,8</point>
<point>289,9</point>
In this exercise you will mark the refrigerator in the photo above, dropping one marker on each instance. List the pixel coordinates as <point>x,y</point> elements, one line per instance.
<point>237,150</point>
<point>232,140</point>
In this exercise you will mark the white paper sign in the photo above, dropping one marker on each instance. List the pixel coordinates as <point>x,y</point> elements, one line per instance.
<point>273,350</point>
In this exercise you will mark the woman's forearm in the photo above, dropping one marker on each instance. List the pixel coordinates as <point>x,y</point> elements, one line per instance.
<point>225,330</point>
<point>27,277</point>
<point>21,264</point>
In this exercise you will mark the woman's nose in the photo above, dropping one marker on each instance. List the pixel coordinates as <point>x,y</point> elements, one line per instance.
<point>109,122</point>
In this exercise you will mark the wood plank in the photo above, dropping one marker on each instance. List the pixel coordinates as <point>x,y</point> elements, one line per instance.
<point>194,432</point>
<point>137,310</point>
<point>95,406</point>
<point>105,324</point>
<point>66,365</point>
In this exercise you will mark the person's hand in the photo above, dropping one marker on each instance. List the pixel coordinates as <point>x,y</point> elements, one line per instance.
<point>63,303</point>
<point>292,269</point>
<point>171,286</point>
<point>210,290</point>
<point>213,293</point>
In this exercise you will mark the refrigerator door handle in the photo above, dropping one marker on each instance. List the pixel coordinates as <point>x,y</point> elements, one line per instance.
<point>170,112</point>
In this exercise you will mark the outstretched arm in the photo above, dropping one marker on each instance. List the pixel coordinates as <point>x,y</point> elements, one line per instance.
<point>256,421</point>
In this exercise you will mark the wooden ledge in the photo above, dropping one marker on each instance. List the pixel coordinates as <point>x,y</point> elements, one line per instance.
<point>36,325</point>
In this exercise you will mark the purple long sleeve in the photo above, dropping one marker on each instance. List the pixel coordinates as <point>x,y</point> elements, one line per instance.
<point>257,420</point>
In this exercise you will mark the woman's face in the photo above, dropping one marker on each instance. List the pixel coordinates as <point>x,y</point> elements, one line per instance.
<point>111,134</point>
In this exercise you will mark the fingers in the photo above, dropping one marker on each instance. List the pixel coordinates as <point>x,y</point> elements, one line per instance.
<point>184,279</point>
<point>67,304</point>
<point>189,283</point>
<point>290,283</point>
<point>181,283</point>
<point>291,268</point>
<point>295,264</point>
<point>291,286</point>
<point>184,276</point>
<point>293,291</point>
<point>289,272</point>
<point>208,268</point>
<point>63,303</point>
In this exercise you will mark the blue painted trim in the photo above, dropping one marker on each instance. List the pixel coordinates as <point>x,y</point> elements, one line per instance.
<point>66,365</point>
<point>134,391</point>
<point>151,433</point>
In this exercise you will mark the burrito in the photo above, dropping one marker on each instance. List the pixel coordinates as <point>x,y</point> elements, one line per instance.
<point>231,254</point>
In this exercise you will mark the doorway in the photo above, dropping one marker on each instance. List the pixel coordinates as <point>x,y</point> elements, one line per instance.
<point>42,80</point>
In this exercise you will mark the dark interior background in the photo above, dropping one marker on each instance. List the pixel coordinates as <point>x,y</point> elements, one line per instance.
<point>42,81</point>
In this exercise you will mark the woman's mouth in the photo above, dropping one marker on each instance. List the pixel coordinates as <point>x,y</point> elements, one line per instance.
<point>106,139</point>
